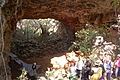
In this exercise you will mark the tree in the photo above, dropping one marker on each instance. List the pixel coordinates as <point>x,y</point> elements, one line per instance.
<point>85,38</point>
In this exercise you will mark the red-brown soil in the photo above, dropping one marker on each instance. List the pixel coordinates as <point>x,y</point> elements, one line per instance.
<point>43,61</point>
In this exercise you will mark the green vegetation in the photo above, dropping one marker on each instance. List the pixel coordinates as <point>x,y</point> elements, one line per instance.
<point>115,3</point>
<point>85,38</point>
<point>31,29</point>
<point>23,75</point>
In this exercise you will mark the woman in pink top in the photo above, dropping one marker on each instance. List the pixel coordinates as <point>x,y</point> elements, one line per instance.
<point>117,63</point>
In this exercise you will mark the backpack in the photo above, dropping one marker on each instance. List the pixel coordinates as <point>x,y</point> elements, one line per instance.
<point>108,67</point>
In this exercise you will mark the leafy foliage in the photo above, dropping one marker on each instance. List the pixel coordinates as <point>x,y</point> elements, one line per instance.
<point>85,38</point>
<point>59,74</point>
<point>23,75</point>
<point>115,3</point>
<point>29,29</point>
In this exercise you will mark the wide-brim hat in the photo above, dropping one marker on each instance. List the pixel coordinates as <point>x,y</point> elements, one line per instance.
<point>118,55</point>
<point>98,62</point>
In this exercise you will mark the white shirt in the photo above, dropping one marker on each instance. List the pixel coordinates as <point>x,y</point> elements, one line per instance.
<point>79,65</point>
<point>73,70</point>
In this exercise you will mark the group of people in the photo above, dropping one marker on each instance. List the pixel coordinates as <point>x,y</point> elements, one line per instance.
<point>80,69</point>
<point>101,69</point>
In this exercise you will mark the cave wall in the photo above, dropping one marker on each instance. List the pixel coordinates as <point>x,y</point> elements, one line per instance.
<point>69,12</point>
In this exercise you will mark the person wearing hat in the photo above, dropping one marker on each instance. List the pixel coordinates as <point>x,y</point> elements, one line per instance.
<point>117,64</point>
<point>97,71</point>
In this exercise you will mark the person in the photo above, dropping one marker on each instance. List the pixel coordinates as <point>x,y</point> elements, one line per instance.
<point>97,71</point>
<point>72,70</point>
<point>117,64</point>
<point>79,66</point>
<point>87,69</point>
<point>34,66</point>
<point>108,67</point>
<point>103,71</point>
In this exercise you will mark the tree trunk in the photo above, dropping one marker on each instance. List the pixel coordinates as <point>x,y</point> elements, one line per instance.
<point>7,28</point>
<point>4,68</point>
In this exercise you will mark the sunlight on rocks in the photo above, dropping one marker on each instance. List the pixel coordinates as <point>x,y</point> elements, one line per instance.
<point>59,62</point>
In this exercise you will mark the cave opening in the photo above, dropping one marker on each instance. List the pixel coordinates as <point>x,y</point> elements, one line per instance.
<point>39,40</point>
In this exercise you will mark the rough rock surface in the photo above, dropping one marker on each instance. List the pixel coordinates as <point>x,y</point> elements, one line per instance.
<point>70,12</point>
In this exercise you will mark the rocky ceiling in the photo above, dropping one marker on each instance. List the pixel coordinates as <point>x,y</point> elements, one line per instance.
<point>70,12</point>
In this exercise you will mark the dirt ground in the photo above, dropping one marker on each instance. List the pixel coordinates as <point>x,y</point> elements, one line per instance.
<point>43,61</point>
